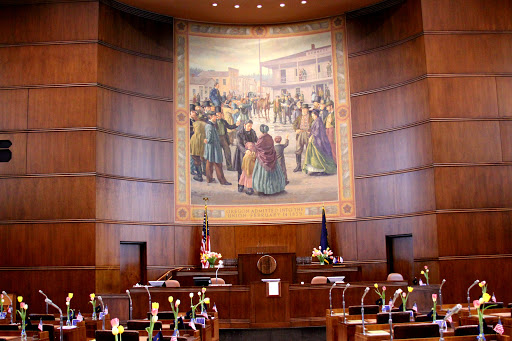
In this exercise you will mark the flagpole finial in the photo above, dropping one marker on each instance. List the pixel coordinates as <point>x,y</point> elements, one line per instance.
<point>205,200</point>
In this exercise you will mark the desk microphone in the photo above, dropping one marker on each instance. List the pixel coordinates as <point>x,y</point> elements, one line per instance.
<point>131,306</point>
<point>451,312</point>
<point>469,304</point>
<point>48,301</point>
<point>441,294</point>
<point>10,303</point>
<point>362,307</point>
<point>147,289</point>
<point>103,311</point>
<point>330,297</point>
<point>344,315</point>
<point>395,296</point>
<point>42,293</point>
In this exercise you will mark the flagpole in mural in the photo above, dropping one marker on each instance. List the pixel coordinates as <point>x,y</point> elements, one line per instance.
<point>205,240</point>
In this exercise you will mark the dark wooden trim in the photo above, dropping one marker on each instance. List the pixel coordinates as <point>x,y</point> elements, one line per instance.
<point>385,47</point>
<point>136,94</point>
<point>134,136</point>
<point>59,268</point>
<point>470,257</point>
<point>128,178</point>
<point>389,87</point>
<point>373,8</point>
<point>398,171</point>
<point>100,175</point>
<point>461,32</point>
<point>388,130</point>
<point>135,53</point>
<point>138,12</point>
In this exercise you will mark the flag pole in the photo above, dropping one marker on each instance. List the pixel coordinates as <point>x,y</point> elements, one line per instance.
<point>207,227</point>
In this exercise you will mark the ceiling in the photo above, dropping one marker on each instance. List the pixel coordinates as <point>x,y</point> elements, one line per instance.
<point>248,13</point>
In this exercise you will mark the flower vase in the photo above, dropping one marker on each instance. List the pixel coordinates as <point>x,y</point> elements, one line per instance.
<point>23,332</point>
<point>481,336</point>
<point>94,317</point>
<point>68,322</point>
<point>176,332</point>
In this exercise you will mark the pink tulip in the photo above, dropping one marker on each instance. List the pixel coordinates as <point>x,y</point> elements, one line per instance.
<point>154,312</point>
<point>426,267</point>
<point>383,288</point>
<point>434,297</point>
<point>404,294</point>
<point>114,322</point>
<point>476,303</point>
<point>68,299</point>
<point>22,305</point>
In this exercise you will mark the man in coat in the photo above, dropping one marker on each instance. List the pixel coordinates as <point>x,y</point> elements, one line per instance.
<point>247,134</point>
<point>197,146</point>
<point>302,127</point>
<point>222,130</point>
<point>213,151</point>
<point>215,97</point>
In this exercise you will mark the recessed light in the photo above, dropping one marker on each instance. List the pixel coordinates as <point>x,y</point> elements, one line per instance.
<point>303,2</point>
<point>259,6</point>
<point>237,6</point>
<point>214,4</point>
<point>282,5</point>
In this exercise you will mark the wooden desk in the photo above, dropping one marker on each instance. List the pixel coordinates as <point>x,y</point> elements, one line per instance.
<point>31,335</point>
<point>338,330</point>
<point>378,332</point>
<point>248,271</point>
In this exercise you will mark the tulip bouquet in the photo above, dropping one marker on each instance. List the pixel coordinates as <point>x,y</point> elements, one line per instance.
<point>210,257</point>
<point>93,302</point>
<point>405,296</point>
<point>434,307</point>
<point>23,314</point>
<point>382,294</point>
<point>175,310</point>
<point>323,256</point>
<point>154,318</point>
<point>68,307</point>
<point>117,329</point>
<point>478,304</point>
<point>202,300</point>
<point>425,273</point>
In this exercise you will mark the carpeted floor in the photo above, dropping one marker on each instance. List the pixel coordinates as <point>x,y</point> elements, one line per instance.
<point>285,334</point>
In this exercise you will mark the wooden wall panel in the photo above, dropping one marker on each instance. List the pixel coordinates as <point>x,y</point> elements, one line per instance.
<point>467,97</point>
<point>384,27</point>
<point>133,157</point>
<point>187,244</point>
<point>138,34</point>
<point>48,245</point>
<point>374,272</point>
<point>473,187</point>
<point>283,236</point>
<point>62,107</point>
<point>468,53</point>
<point>461,234</point>
<point>18,163</point>
<point>308,237</point>
<point>134,115</point>
<point>134,201</point>
<point>222,239</point>
<point>49,22</point>
<point>387,67</point>
<point>48,64</point>
<point>506,140</point>
<point>48,198</point>
<point>343,240</point>
<point>457,15</point>
<point>14,109</point>
<point>395,194</point>
<point>466,141</point>
<point>133,73</point>
<point>391,108</point>
<point>61,152</point>
<point>413,147</point>
<point>504,88</point>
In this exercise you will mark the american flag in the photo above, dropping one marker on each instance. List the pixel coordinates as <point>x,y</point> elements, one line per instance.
<point>214,307</point>
<point>204,313</point>
<point>415,307</point>
<point>174,336</point>
<point>40,326</point>
<point>499,328</point>
<point>205,241</point>
<point>192,324</point>
<point>493,298</point>
<point>80,318</point>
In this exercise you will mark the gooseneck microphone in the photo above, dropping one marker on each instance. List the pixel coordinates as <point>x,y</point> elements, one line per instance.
<point>48,301</point>
<point>147,289</point>
<point>395,296</point>
<point>451,312</point>
<point>10,303</point>
<point>469,299</point>
<point>344,315</point>
<point>131,306</point>
<point>362,307</point>
<point>330,297</point>
<point>42,293</point>
<point>441,294</point>
<point>103,310</point>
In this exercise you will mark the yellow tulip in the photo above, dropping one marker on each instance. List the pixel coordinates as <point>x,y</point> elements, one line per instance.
<point>486,297</point>
<point>92,296</point>
<point>115,330</point>
<point>20,299</point>
<point>207,300</point>
<point>70,295</point>
<point>409,289</point>
<point>121,329</point>
<point>376,285</point>
<point>171,299</point>
<point>155,305</point>
<point>480,284</point>
<point>422,272</point>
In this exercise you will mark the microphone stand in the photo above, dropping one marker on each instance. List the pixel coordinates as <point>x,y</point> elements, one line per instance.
<point>362,308</point>
<point>131,306</point>
<point>10,302</point>
<point>103,313</point>
<point>216,275</point>
<point>48,301</point>
<point>344,315</point>
<point>454,311</point>
<point>42,293</point>
<point>391,316</point>
<point>469,299</point>
<point>147,289</point>
<point>441,294</point>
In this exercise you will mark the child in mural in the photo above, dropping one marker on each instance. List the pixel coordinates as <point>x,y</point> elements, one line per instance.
<point>247,167</point>
<point>280,154</point>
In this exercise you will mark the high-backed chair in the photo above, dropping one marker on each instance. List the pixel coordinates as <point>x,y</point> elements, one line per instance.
<point>416,331</point>
<point>106,335</point>
<point>396,317</point>
<point>44,317</point>
<point>427,318</point>
<point>163,315</point>
<point>142,324</point>
<point>319,280</point>
<point>218,280</point>
<point>471,330</point>
<point>46,328</point>
<point>368,309</point>
<point>9,327</point>
<point>395,277</point>
<point>172,283</point>
<point>493,305</point>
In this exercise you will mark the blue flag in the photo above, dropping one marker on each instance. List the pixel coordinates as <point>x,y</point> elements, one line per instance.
<point>324,244</point>
<point>158,336</point>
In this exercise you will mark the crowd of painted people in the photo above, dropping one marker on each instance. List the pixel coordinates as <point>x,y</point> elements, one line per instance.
<point>258,157</point>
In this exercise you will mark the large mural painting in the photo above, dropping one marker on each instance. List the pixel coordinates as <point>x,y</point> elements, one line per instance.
<point>262,123</point>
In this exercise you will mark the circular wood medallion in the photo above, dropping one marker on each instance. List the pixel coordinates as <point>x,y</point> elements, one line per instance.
<point>267,264</point>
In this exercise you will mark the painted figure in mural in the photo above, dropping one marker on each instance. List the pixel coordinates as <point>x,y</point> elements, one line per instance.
<point>289,107</point>
<point>297,110</point>
<point>279,147</point>
<point>329,69</point>
<point>318,159</point>
<point>320,94</point>
<point>264,106</point>
<point>247,134</point>
<point>213,151</point>
<point>268,178</point>
<point>228,116</point>
<point>215,96</point>
<point>327,93</point>
<point>302,127</point>
<point>248,163</point>
<point>197,145</point>
<point>330,128</point>
<point>277,109</point>
<point>245,105</point>
<point>313,94</point>
<point>323,110</point>
<point>222,130</point>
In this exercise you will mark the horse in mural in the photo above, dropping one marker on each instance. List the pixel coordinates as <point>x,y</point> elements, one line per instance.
<point>264,107</point>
